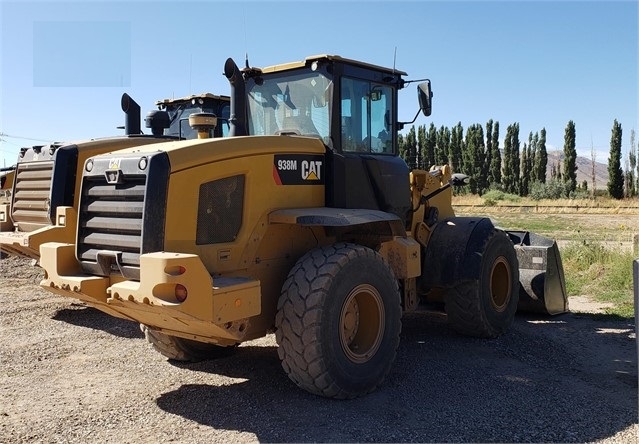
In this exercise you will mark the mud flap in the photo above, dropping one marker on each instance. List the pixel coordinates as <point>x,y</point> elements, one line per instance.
<point>541,274</point>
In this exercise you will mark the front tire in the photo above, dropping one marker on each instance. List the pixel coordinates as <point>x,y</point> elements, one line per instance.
<point>485,307</point>
<point>182,349</point>
<point>338,321</point>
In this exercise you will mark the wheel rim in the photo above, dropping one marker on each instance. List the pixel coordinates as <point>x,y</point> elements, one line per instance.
<point>500,284</point>
<point>362,323</point>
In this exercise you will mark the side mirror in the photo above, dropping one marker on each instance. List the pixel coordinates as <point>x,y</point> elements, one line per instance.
<point>459,179</point>
<point>425,96</point>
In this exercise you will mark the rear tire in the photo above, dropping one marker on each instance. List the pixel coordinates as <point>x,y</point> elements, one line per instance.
<point>338,321</point>
<point>181,349</point>
<point>485,307</point>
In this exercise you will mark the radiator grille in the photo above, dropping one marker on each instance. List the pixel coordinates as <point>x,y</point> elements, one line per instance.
<point>121,212</point>
<point>111,219</point>
<point>31,206</point>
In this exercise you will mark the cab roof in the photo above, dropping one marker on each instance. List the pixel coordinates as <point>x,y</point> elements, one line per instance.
<point>194,96</point>
<point>331,58</point>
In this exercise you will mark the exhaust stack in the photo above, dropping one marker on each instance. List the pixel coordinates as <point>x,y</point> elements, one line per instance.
<point>132,119</point>
<point>237,121</point>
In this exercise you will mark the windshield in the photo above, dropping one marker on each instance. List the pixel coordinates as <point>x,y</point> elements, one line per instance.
<point>179,115</point>
<point>286,103</point>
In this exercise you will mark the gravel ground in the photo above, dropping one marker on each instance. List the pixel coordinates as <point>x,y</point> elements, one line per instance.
<point>69,373</point>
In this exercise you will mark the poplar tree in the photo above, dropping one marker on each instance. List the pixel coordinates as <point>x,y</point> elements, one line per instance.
<point>469,158</point>
<point>495,161</point>
<point>541,158</point>
<point>401,146</point>
<point>534,141</point>
<point>474,159</point>
<point>411,148</point>
<point>615,174</point>
<point>443,145</point>
<point>526,169</point>
<point>488,160</point>
<point>570,158</point>
<point>456,147</point>
<point>422,147</point>
<point>523,178</point>
<point>431,144</point>
<point>508,173</point>
<point>516,162</point>
<point>632,160</point>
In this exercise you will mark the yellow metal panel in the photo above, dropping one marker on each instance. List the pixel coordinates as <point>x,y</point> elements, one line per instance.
<point>262,194</point>
<point>28,243</point>
<point>235,302</point>
<point>5,218</point>
<point>207,301</point>
<point>64,277</point>
<point>403,255</point>
<point>9,177</point>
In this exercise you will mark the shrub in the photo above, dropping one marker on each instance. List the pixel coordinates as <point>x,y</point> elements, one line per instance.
<point>553,189</point>
<point>494,196</point>
<point>590,268</point>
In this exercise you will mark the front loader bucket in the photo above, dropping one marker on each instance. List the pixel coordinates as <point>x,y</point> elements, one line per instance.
<point>541,274</point>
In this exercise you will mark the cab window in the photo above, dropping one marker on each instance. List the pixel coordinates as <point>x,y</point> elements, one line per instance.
<point>366,110</point>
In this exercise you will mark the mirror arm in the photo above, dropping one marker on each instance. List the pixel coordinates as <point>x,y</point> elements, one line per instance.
<point>400,125</point>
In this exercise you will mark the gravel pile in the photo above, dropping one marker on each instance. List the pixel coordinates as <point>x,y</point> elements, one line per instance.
<point>70,373</point>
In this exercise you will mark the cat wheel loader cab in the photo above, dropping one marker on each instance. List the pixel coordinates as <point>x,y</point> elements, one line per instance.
<point>305,221</point>
<point>45,193</point>
<point>179,110</point>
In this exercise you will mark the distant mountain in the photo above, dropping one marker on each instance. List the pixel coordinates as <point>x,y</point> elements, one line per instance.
<point>584,169</point>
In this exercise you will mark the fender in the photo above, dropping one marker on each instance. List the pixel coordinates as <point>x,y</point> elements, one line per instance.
<point>454,250</point>
<point>339,217</point>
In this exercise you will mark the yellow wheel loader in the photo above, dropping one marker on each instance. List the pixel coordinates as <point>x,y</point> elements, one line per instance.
<point>44,191</point>
<point>304,222</point>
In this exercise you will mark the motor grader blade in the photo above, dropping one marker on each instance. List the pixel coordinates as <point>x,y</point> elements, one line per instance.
<point>541,274</point>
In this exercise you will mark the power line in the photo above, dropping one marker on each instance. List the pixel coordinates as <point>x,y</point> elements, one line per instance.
<point>24,138</point>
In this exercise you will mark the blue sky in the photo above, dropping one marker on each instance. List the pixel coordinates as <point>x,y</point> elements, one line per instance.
<point>64,65</point>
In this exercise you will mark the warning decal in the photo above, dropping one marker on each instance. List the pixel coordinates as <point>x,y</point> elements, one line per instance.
<point>298,169</point>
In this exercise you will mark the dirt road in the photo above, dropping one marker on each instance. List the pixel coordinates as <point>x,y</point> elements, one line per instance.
<point>69,373</point>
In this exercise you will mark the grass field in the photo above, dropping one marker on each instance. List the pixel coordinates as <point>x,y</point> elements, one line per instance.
<point>595,240</point>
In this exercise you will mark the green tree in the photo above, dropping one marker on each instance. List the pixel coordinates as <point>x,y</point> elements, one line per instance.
<point>456,148</point>
<point>431,145</point>
<point>443,145</point>
<point>632,160</point>
<point>480,160</point>
<point>516,159</point>
<point>474,158</point>
<point>489,153</point>
<point>541,157</point>
<point>570,157</point>
<point>532,145</point>
<point>401,146</point>
<point>510,174</point>
<point>495,159</point>
<point>421,146</point>
<point>411,148</point>
<point>526,169</point>
<point>615,174</point>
